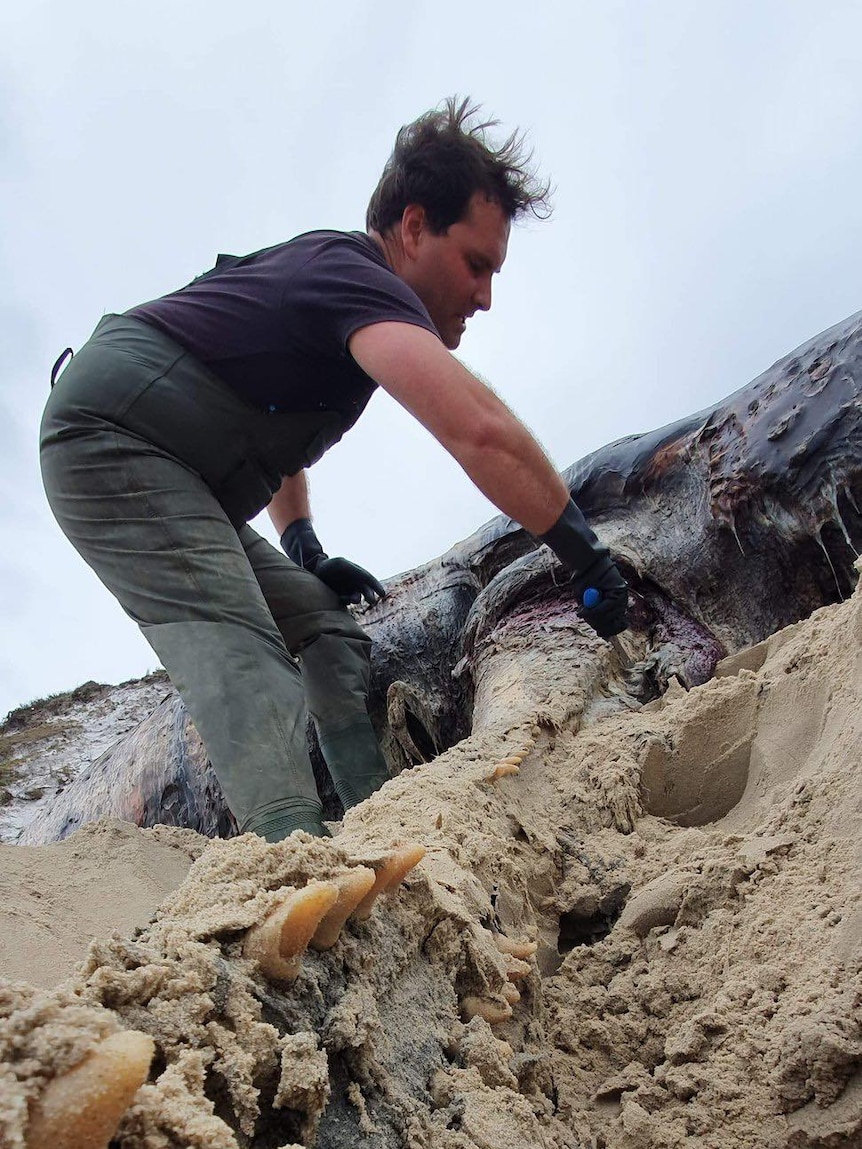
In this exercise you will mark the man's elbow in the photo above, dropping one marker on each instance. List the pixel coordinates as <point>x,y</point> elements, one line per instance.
<point>485,434</point>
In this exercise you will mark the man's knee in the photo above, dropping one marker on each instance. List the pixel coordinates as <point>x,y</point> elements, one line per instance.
<point>336,673</point>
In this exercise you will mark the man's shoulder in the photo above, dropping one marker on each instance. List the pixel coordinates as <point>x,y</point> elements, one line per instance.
<point>311,245</point>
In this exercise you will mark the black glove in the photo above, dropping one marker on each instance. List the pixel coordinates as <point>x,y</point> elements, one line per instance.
<point>576,545</point>
<point>349,581</point>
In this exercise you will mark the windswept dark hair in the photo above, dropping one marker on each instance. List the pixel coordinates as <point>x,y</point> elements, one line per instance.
<point>442,159</point>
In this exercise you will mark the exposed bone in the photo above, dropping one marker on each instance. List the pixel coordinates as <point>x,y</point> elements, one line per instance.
<point>511,994</point>
<point>657,904</point>
<point>277,942</point>
<point>82,1108</point>
<point>492,1009</point>
<point>516,968</point>
<point>352,885</point>
<point>391,871</point>
<point>520,950</point>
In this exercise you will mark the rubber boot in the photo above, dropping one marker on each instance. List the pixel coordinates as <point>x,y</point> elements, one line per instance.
<point>355,761</point>
<point>245,698</point>
<point>277,820</point>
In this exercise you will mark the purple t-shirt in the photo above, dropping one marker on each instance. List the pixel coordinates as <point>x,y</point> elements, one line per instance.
<point>274,325</point>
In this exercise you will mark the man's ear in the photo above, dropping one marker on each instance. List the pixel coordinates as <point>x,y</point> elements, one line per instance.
<point>414,224</point>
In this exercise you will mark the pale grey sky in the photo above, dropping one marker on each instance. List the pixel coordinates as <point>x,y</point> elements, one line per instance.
<point>707,164</point>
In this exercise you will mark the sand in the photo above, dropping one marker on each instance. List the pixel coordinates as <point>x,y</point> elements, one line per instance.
<point>690,872</point>
<point>55,899</point>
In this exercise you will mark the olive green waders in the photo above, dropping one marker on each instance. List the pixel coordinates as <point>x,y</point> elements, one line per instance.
<point>152,466</point>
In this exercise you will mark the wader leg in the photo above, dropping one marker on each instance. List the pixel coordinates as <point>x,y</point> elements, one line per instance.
<point>334,652</point>
<point>153,533</point>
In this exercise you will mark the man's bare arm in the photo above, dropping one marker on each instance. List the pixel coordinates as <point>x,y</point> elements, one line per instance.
<point>494,448</point>
<point>290,502</point>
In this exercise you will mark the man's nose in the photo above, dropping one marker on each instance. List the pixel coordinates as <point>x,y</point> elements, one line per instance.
<point>482,295</point>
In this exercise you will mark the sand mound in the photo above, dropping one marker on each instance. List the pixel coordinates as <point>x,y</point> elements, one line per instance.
<point>690,873</point>
<point>55,899</point>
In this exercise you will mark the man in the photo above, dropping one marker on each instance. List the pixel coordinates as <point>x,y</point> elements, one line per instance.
<point>180,420</point>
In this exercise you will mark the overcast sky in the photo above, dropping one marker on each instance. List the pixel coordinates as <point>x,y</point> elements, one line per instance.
<point>708,171</point>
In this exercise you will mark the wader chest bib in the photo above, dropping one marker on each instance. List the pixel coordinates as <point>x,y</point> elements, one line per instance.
<point>167,397</point>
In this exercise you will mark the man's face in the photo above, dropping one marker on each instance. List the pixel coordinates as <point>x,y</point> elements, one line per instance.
<point>451,273</point>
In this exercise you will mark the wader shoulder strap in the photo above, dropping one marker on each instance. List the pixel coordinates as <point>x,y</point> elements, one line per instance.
<point>61,362</point>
